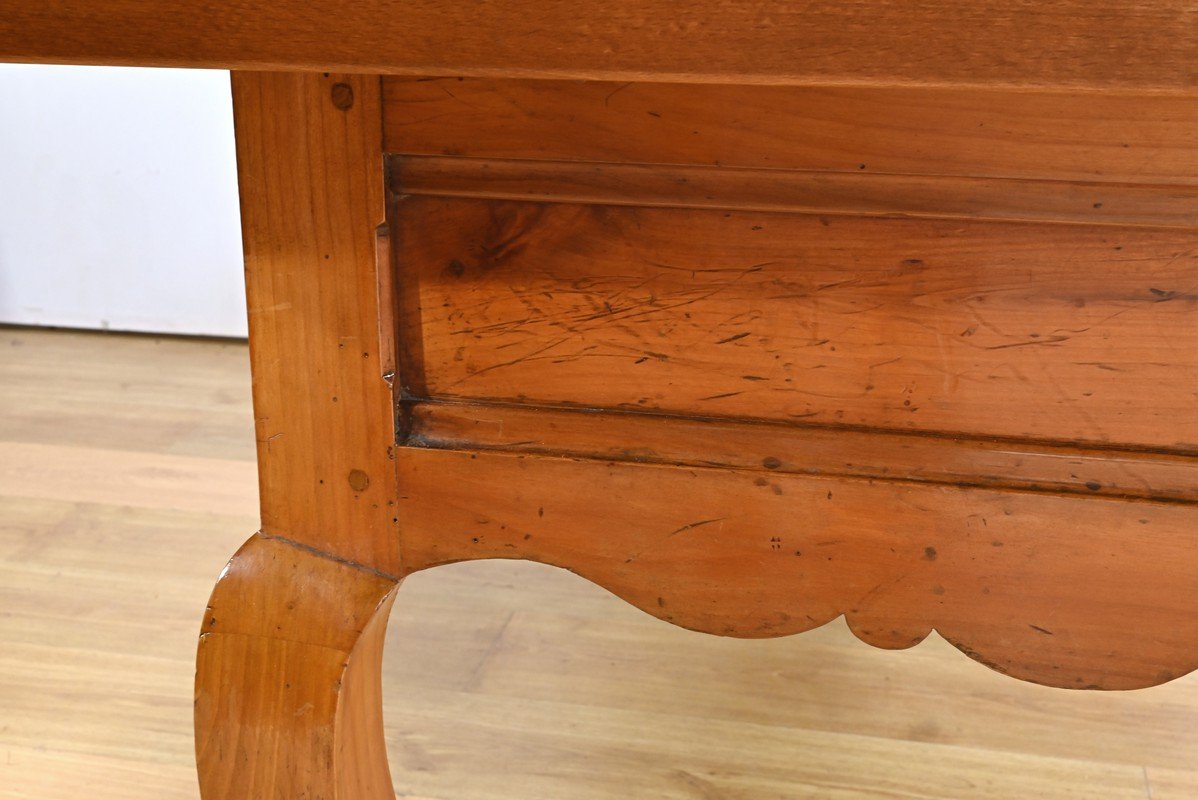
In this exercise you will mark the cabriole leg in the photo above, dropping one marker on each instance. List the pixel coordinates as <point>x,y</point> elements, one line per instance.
<point>288,678</point>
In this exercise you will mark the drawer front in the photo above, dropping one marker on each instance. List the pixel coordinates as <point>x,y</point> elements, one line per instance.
<point>985,263</point>
<point>1048,332</point>
<point>757,357</point>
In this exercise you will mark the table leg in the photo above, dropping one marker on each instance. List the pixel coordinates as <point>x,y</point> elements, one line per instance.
<point>288,678</point>
<point>288,672</point>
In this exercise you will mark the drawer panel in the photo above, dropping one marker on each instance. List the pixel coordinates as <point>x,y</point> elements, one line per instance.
<point>1069,333</point>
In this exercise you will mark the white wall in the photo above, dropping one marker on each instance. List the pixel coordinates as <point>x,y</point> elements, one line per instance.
<point>118,200</point>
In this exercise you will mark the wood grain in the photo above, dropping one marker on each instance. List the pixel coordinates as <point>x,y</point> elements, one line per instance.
<point>310,167</point>
<point>770,449</point>
<point>1040,332</point>
<point>1104,44</point>
<point>288,695</point>
<point>1112,136</point>
<point>1054,590</point>
<point>845,194</point>
<point>288,678</point>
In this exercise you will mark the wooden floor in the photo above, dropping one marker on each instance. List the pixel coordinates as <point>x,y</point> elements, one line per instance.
<point>127,479</point>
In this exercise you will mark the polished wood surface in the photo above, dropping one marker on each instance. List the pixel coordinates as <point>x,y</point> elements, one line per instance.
<point>1046,332</point>
<point>289,665</point>
<point>780,449</point>
<point>1043,588</point>
<point>287,695</point>
<point>1098,45</point>
<point>978,131</point>
<point>718,368</point>
<point>502,680</point>
<point>309,160</point>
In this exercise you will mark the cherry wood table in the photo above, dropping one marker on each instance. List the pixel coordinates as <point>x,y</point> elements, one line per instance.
<point>757,314</point>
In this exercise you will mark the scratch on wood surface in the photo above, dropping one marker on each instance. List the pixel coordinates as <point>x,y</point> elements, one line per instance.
<point>698,524</point>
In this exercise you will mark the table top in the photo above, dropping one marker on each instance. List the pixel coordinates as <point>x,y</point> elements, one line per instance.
<point>1137,45</point>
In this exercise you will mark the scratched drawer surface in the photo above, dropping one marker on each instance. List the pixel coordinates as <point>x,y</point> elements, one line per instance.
<point>978,328</point>
<point>995,263</point>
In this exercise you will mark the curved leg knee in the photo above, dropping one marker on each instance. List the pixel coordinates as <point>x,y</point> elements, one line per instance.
<point>288,678</point>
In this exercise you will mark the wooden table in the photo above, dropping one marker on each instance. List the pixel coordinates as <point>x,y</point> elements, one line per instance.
<point>756,314</point>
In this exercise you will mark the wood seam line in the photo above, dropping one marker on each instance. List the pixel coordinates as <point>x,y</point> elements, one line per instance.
<point>1048,201</point>
<point>345,562</point>
<point>474,166</point>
